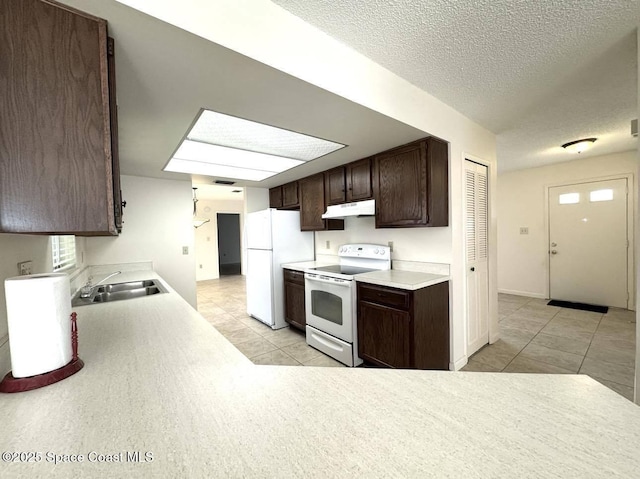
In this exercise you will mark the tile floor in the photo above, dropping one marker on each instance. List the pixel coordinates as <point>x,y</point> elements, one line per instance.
<point>536,338</point>
<point>223,303</point>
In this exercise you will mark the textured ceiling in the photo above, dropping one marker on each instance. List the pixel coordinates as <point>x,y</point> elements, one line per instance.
<point>536,73</point>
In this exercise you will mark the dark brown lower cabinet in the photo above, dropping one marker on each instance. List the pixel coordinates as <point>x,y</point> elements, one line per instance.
<point>294,312</point>
<point>404,329</point>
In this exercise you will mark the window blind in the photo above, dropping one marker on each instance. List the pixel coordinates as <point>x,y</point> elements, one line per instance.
<point>63,252</point>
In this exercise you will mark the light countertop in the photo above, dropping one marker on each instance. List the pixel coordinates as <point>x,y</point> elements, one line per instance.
<point>394,278</point>
<point>159,379</point>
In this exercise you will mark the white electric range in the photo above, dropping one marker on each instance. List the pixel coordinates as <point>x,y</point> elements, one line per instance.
<point>330,300</point>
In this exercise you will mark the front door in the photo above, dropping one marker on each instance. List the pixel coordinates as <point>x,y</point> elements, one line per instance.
<point>588,243</point>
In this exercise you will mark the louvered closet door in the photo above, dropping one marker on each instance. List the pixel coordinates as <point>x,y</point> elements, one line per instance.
<point>477,242</point>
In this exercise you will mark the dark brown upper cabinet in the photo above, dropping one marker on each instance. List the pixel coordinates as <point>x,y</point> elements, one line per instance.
<point>334,186</point>
<point>290,198</point>
<point>411,185</point>
<point>58,135</point>
<point>275,197</point>
<point>358,180</point>
<point>312,205</point>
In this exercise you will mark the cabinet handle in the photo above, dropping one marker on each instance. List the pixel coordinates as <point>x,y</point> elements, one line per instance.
<point>124,204</point>
<point>472,268</point>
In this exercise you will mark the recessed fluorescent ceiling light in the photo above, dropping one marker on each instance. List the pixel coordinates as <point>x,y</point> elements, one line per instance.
<point>223,145</point>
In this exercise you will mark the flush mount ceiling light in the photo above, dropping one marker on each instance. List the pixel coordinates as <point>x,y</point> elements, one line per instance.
<point>223,145</point>
<point>579,146</point>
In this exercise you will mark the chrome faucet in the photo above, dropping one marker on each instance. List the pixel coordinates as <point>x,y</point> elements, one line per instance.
<point>87,289</point>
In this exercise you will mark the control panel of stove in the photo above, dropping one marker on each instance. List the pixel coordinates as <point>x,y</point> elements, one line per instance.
<point>374,251</point>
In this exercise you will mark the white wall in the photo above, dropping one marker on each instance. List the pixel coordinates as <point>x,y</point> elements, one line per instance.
<point>157,224</point>
<point>206,237</point>
<point>430,245</point>
<point>289,44</point>
<point>523,259</point>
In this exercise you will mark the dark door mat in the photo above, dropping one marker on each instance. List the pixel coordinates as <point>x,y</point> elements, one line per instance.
<point>582,306</point>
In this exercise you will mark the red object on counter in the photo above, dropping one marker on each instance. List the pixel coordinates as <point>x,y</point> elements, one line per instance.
<point>15,385</point>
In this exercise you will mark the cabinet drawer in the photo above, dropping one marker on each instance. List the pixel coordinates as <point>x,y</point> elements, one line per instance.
<point>294,276</point>
<point>380,295</point>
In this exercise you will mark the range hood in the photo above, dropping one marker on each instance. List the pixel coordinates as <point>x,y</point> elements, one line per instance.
<point>359,208</point>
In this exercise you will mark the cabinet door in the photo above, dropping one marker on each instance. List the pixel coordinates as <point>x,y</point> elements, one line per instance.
<point>312,203</point>
<point>334,190</point>
<point>275,197</point>
<point>294,312</point>
<point>113,110</point>
<point>384,335</point>
<point>359,180</point>
<point>290,195</point>
<point>438,178</point>
<point>56,170</point>
<point>400,187</point>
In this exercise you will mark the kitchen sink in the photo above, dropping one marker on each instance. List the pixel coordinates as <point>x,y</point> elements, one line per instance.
<point>132,285</point>
<point>120,291</point>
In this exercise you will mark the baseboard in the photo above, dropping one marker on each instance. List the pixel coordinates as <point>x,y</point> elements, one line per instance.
<point>459,364</point>
<point>522,293</point>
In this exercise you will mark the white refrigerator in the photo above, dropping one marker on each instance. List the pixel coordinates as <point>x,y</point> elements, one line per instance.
<point>273,237</point>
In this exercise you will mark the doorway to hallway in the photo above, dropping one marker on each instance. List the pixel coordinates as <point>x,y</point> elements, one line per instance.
<point>229,249</point>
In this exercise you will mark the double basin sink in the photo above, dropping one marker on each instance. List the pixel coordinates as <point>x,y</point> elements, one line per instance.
<point>120,291</point>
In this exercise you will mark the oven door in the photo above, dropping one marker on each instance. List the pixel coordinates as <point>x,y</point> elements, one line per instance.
<point>329,305</point>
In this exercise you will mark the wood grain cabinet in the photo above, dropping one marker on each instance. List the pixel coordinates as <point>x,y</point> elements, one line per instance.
<point>358,180</point>
<point>58,132</point>
<point>312,205</point>
<point>334,186</point>
<point>404,329</point>
<point>411,185</point>
<point>275,197</point>
<point>290,198</point>
<point>284,197</point>
<point>294,303</point>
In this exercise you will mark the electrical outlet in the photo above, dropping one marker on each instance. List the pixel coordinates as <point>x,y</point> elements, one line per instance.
<point>524,230</point>
<point>390,246</point>
<point>185,250</point>
<point>328,244</point>
<point>25,267</point>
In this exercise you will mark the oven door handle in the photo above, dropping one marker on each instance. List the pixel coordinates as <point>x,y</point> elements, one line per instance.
<point>326,279</point>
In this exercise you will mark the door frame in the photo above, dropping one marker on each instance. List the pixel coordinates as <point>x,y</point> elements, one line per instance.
<point>494,330</point>
<point>631,302</point>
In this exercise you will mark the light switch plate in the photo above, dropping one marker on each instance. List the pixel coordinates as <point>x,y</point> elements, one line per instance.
<point>185,250</point>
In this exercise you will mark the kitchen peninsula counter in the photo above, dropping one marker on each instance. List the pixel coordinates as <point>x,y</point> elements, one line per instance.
<point>160,381</point>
